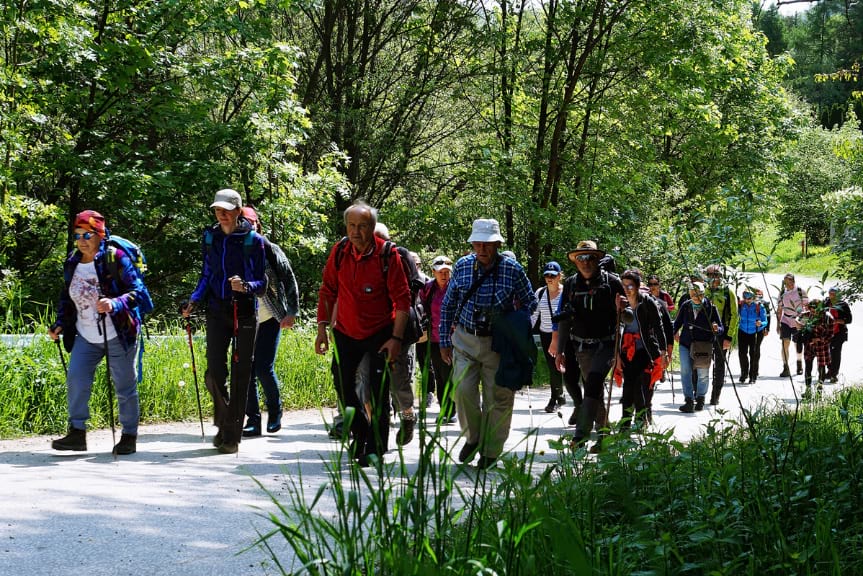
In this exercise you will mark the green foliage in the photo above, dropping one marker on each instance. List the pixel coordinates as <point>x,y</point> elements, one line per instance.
<point>781,495</point>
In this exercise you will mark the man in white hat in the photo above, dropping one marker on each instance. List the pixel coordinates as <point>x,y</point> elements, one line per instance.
<point>589,303</point>
<point>484,286</point>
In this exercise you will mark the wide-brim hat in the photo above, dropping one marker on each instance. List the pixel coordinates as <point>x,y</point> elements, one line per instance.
<point>485,230</point>
<point>585,247</point>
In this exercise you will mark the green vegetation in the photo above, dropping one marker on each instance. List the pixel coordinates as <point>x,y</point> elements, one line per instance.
<point>786,255</point>
<point>781,496</point>
<point>33,386</point>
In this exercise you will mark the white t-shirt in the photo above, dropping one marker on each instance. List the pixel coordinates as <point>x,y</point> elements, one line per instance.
<point>84,292</point>
<point>542,310</point>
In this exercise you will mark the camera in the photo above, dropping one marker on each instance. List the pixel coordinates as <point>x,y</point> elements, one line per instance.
<point>566,313</point>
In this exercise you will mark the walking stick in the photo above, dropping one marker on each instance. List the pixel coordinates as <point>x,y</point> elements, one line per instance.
<point>233,398</point>
<point>62,358</point>
<point>613,366</point>
<point>102,318</point>
<point>195,375</point>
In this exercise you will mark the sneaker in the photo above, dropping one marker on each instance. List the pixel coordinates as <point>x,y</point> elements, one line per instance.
<point>742,380</point>
<point>753,379</point>
<point>274,421</point>
<point>75,440</point>
<point>785,372</point>
<point>573,418</point>
<point>551,406</point>
<point>337,431</point>
<point>799,367</point>
<point>687,407</point>
<point>468,451</point>
<point>126,445</point>
<point>218,439</point>
<point>228,447</point>
<point>406,432</point>
<point>252,428</point>
<point>834,379</point>
<point>699,404</point>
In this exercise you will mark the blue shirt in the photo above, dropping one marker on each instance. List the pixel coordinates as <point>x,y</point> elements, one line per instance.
<point>500,291</point>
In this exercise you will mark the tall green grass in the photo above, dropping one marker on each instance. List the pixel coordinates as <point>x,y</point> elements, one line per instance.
<point>782,496</point>
<point>772,254</point>
<point>33,389</point>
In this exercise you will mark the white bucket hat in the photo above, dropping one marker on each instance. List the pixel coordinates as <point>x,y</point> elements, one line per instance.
<point>485,230</point>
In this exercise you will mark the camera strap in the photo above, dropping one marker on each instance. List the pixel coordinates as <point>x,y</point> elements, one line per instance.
<point>475,286</point>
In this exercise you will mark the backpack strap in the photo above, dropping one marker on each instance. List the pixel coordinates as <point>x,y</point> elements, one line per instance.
<point>340,251</point>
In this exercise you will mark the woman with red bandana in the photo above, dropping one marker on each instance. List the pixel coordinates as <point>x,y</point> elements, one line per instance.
<point>99,297</point>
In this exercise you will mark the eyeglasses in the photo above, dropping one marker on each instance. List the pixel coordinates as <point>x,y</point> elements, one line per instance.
<point>629,287</point>
<point>653,283</point>
<point>85,235</point>
<point>585,257</point>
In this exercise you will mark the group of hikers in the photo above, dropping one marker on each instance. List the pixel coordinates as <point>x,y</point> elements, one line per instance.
<point>469,328</point>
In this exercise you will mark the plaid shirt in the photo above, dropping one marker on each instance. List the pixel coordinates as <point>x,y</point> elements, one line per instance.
<point>504,289</point>
<point>821,327</point>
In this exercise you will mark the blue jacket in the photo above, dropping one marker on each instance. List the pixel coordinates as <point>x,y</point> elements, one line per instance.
<point>692,327</point>
<point>511,338</point>
<point>749,313</point>
<point>225,257</point>
<point>125,292</point>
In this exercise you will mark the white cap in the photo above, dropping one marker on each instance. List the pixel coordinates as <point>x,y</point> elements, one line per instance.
<point>227,199</point>
<point>441,263</point>
<point>485,230</point>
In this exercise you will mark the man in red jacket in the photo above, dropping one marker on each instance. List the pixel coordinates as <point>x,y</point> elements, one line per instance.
<point>373,303</point>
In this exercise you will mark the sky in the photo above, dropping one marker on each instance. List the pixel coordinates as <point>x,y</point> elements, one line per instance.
<point>789,9</point>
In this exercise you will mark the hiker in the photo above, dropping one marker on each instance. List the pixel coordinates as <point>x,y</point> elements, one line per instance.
<point>792,301</point>
<point>548,298</point>
<point>373,312</point>
<point>484,287</point>
<point>815,331</point>
<point>642,356</point>
<point>750,333</point>
<point>696,329</point>
<point>232,275</point>
<point>841,313</point>
<point>725,302</point>
<point>99,283</point>
<point>432,296</point>
<point>422,359</point>
<point>588,318</point>
<point>661,296</point>
<point>277,310</point>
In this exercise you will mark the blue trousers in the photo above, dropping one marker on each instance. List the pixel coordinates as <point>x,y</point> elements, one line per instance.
<point>83,361</point>
<point>686,375</point>
<point>264,369</point>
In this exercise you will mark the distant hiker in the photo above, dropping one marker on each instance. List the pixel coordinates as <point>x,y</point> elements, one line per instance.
<point>373,311</point>
<point>841,313</point>
<point>815,331</point>
<point>661,296</point>
<point>548,298</point>
<point>792,302</point>
<point>696,328</point>
<point>725,302</point>
<point>750,333</point>
<point>99,282</point>
<point>588,319</point>
<point>484,288</point>
<point>440,372</point>
<point>232,275</point>
<point>277,309</point>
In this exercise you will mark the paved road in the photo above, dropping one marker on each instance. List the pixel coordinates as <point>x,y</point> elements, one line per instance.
<point>179,507</point>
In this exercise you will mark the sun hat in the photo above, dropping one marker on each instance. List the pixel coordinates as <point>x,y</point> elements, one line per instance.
<point>551,269</point>
<point>227,199</point>
<point>441,263</point>
<point>587,247</point>
<point>92,221</point>
<point>485,230</point>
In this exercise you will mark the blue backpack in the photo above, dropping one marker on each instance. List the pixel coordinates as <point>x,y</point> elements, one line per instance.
<point>145,306</point>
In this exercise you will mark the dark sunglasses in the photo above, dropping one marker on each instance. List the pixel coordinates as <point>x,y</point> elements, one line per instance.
<point>85,235</point>
<point>585,257</point>
<point>653,283</point>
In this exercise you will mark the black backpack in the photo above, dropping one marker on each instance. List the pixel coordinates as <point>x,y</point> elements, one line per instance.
<point>414,328</point>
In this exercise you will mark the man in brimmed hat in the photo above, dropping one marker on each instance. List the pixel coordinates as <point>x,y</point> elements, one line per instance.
<point>484,286</point>
<point>792,302</point>
<point>588,320</point>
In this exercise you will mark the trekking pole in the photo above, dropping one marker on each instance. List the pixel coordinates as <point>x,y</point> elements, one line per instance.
<point>62,358</point>
<point>234,393</point>
<point>614,365</point>
<point>103,319</point>
<point>195,375</point>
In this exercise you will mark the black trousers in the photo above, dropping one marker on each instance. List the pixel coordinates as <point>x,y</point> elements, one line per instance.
<point>371,424</point>
<point>718,368</point>
<point>555,378</point>
<point>836,353</point>
<point>223,341</point>
<point>749,353</point>
<point>439,375</point>
<point>635,382</point>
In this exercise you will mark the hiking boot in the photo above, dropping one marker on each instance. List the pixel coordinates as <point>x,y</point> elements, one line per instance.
<point>799,367</point>
<point>834,379</point>
<point>554,403</point>
<point>252,427</point>
<point>699,404</point>
<point>274,421</point>
<point>742,380</point>
<point>126,445</point>
<point>337,431</point>
<point>468,451</point>
<point>573,418</point>
<point>486,462</point>
<point>75,440</point>
<point>687,407</point>
<point>228,447</point>
<point>714,400</point>
<point>406,432</point>
<point>218,439</point>
<point>785,372</point>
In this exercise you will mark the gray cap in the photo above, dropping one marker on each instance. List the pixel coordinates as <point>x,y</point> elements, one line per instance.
<point>227,199</point>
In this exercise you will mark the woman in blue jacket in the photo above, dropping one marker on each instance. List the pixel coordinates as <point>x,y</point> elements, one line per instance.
<point>750,333</point>
<point>100,282</point>
<point>232,275</point>
<point>697,321</point>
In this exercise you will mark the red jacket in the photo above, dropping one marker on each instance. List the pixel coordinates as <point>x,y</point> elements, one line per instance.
<point>367,303</point>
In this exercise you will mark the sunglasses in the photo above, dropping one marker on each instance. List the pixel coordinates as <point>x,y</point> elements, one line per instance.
<point>85,235</point>
<point>629,287</point>
<point>653,283</point>
<point>585,258</point>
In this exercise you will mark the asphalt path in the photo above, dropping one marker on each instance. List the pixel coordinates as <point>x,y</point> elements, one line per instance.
<point>179,507</point>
